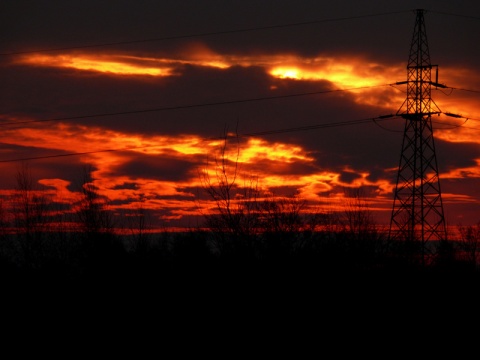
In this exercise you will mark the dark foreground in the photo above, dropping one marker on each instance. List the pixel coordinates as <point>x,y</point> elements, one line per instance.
<point>178,289</point>
<point>197,261</point>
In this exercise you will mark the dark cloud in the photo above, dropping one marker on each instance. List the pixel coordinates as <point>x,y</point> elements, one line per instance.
<point>126,186</point>
<point>69,168</point>
<point>349,177</point>
<point>159,167</point>
<point>456,155</point>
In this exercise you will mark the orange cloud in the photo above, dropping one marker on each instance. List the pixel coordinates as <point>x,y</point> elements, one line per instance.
<point>462,173</point>
<point>258,149</point>
<point>83,139</point>
<point>343,72</point>
<point>104,64</point>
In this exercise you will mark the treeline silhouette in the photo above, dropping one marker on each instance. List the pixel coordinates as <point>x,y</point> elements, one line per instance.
<point>254,241</point>
<point>286,251</point>
<point>198,255</point>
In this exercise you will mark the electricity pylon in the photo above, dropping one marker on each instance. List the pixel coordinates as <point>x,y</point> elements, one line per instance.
<point>417,213</point>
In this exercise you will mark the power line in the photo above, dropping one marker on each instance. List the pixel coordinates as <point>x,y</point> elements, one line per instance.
<point>166,108</point>
<point>454,126</point>
<point>440,87</point>
<point>224,32</point>
<point>314,127</point>
<point>253,134</point>
<point>189,106</point>
<point>459,116</point>
<point>453,88</point>
<point>452,14</point>
<point>462,89</point>
<point>374,120</point>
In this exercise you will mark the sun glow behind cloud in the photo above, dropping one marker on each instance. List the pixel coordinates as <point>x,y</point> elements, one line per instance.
<point>358,75</point>
<point>361,77</point>
<point>343,72</point>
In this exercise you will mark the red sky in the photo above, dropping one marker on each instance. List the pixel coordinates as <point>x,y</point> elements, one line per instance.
<point>159,92</point>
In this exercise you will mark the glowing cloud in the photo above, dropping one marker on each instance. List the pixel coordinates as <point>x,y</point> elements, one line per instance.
<point>109,150</point>
<point>344,73</point>
<point>360,76</point>
<point>91,63</point>
<point>257,149</point>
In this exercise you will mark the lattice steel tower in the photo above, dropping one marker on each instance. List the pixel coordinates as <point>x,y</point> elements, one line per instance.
<point>417,208</point>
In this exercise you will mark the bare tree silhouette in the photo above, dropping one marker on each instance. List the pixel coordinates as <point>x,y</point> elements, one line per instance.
<point>30,215</point>
<point>357,217</point>
<point>234,222</point>
<point>282,224</point>
<point>138,223</point>
<point>94,217</point>
<point>30,205</point>
<point>469,243</point>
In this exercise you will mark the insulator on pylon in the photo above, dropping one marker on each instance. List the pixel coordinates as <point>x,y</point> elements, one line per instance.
<point>453,115</point>
<point>436,84</point>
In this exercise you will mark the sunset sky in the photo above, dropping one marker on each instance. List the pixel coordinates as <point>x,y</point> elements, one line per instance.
<point>143,91</point>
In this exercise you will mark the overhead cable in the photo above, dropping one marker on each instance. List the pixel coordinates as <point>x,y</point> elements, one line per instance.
<point>186,36</point>
<point>253,134</point>
<point>178,107</point>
